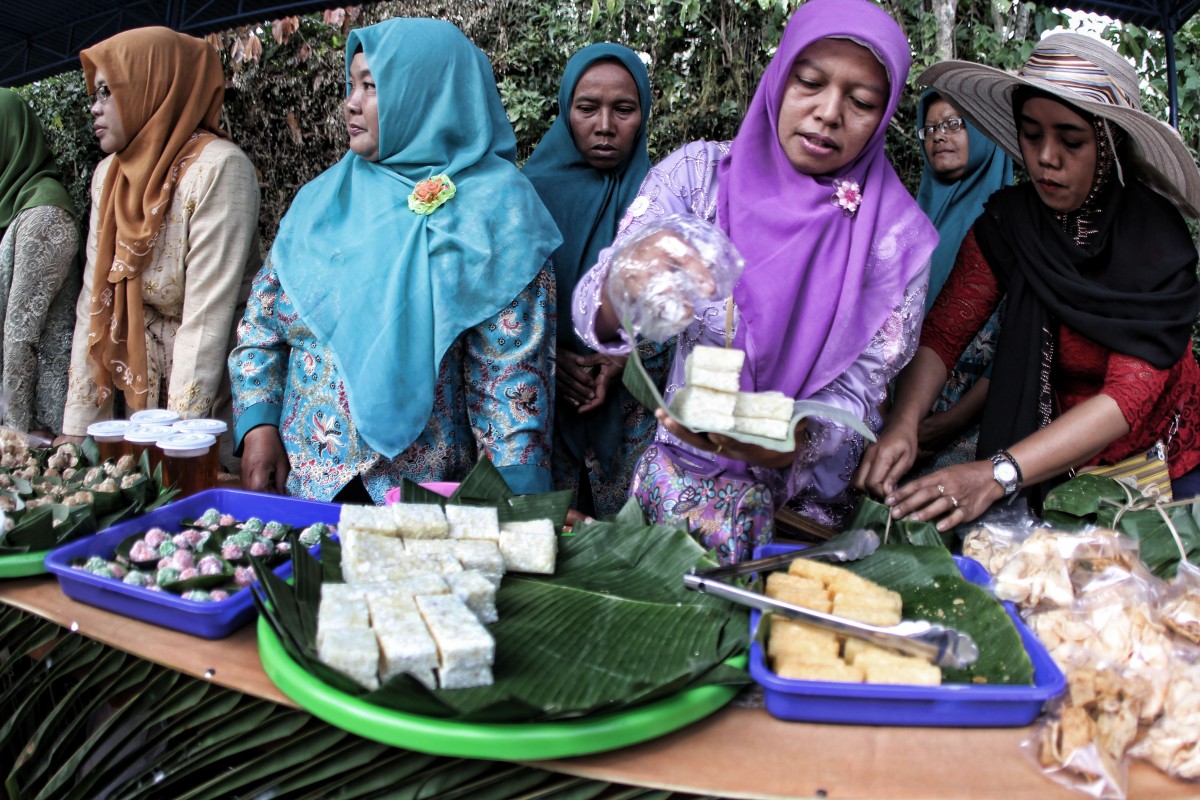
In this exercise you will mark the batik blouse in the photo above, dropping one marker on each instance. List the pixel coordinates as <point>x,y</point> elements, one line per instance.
<point>493,396</point>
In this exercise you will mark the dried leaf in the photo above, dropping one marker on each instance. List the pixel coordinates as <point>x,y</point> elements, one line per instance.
<point>335,17</point>
<point>282,29</point>
<point>294,126</point>
<point>253,48</point>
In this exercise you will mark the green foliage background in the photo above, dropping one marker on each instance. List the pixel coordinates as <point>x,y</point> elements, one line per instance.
<point>705,59</point>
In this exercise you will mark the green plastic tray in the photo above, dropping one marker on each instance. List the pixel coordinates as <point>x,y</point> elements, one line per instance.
<point>533,741</point>
<point>20,566</point>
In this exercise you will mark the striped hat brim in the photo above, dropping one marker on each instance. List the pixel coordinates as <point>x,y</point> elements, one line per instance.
<point>984,94</point>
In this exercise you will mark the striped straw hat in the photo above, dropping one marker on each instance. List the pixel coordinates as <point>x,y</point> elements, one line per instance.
<point>1092,77</point>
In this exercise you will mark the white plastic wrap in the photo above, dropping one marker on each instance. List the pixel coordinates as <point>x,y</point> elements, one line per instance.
<point>659,276</point>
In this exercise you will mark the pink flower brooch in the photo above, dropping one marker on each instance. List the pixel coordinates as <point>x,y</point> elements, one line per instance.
<point>847,196</point>
<point>431,194</point>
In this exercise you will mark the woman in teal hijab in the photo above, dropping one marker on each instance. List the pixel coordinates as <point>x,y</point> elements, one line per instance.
<point>39,275</point>
<point>962,169</point>
<point>587,169</point>
<point>401,324</point>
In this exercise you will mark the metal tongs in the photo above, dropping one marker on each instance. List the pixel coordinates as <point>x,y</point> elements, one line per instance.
<point>942,646</point>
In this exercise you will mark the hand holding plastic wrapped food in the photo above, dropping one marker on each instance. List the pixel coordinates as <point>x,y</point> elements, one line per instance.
<point>658,277</point>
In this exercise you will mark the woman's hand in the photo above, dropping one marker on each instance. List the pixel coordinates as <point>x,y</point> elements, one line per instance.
<point>887,460</point>
<point>65,439</point>
<point>584,380</point>
<point>731,448</point>
<point>265,466</point>
<point>948,497</point>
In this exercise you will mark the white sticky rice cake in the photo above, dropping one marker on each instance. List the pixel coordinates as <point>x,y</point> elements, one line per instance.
<point>378,519</point>
<point>699,407</point>
<point>477,592</point>
<point>420,520</point>
<point>473,522</point>
<point>367,556</point>
<point>410,587</point>
<point>760,426</point>
<point>404,642</point>
<point>726,382</point>
<point>354,652</point>
<point>343,607</point>
<point>422,547</point>
<point>529,546</point>
<point>481,556</point>
<point>767,405</point>
<point>465,648</point>
<point>717,359</point>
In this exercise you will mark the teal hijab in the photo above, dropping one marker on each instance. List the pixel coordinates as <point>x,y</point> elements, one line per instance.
<point>386,289</point>
<point>28,175</point>
<point>587,205</point>
<point>953,207</point>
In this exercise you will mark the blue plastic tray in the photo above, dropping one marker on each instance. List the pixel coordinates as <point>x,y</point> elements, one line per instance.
<point>957,705</point>
<point>214,620</point>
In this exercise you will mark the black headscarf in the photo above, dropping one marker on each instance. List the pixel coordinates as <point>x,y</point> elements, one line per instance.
<point>1126,279</point>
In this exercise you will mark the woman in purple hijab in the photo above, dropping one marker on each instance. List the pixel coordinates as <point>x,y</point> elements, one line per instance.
<point>829,305</point>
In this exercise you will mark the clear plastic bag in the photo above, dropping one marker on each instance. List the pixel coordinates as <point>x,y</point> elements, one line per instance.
<point>1172,743</point>
<point>659,276</point>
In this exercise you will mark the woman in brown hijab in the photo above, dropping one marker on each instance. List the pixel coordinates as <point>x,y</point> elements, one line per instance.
<point>173,238</point>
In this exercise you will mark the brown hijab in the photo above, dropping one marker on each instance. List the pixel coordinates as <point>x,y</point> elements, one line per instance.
<point>168,88</point>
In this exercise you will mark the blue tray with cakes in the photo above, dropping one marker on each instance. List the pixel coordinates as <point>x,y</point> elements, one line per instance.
<point>186,566</point>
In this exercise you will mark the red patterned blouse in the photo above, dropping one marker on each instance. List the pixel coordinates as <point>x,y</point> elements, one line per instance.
<point>1147,397</point>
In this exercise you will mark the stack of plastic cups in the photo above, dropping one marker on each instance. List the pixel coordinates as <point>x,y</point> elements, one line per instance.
<point>143,438</point>
<point>190,461</point>
<point>109,436</point>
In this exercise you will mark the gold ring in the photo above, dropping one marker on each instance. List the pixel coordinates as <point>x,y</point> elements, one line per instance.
<point>954,501</point>
<point>941,489</point>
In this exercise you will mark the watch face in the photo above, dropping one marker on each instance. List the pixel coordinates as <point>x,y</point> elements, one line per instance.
<point>1005,472</point>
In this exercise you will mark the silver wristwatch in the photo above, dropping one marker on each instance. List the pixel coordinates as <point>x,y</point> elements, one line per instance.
<point>1007,472</point>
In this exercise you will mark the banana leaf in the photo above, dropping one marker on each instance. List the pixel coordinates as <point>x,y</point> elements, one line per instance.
<point>932,588</point>
<point>875,516</point>
<point>484,485</point>
<point>1094,500</point>
<point>589,638</point>
<point>641,386</point>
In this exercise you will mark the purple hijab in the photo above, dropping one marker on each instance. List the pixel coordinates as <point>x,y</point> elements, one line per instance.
<point>817,284</point>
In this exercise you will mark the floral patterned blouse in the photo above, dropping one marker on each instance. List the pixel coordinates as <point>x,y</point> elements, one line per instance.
<point>493,397</point>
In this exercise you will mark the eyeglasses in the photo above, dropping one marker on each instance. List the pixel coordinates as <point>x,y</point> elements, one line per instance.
<point>103,95</point>
<point>952,125</point>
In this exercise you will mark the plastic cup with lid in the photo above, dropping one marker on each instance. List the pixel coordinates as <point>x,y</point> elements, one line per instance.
<point>109,436</point>
<point>142,438</point>
<point>154,416</point>
<point>213,427</point>
<point>189,461</point>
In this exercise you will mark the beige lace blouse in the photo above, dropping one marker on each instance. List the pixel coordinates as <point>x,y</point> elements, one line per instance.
<point>194,291</point>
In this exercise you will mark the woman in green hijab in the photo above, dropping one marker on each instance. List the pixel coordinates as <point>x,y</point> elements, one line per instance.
<point>587,169</point>
<point>39,281</point>
<point>402,326</point>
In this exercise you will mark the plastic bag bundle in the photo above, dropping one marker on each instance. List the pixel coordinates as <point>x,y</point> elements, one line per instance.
<point>660,275</point>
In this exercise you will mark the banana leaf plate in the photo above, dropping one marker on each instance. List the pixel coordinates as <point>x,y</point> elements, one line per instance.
<point>509,741</point>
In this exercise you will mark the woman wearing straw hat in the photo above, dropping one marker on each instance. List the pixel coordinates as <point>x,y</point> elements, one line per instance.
<point>1094,361</point>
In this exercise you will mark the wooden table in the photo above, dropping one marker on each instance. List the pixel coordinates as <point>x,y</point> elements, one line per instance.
<point>737,752</point>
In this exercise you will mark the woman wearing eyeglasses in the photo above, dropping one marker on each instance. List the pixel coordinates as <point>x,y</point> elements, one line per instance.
<point>173,240</point>
<point>962,169</point>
